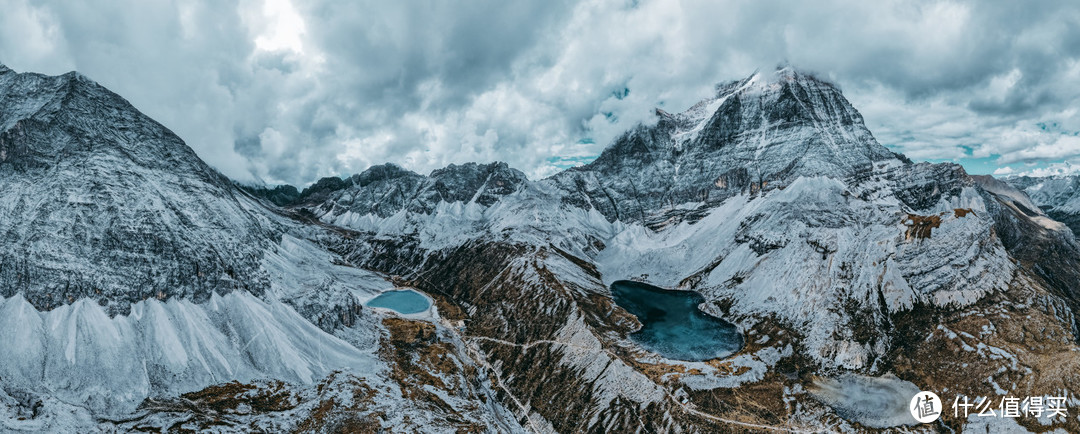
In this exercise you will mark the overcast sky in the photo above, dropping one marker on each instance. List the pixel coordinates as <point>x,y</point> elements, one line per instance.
<point>287,92</point>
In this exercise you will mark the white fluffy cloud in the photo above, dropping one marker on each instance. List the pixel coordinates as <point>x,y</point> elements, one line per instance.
<point>289,91</point>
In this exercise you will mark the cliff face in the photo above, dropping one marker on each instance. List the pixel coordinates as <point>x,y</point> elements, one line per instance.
<point>99,201</point>
<point>388,190</point>
<point>765,129</point>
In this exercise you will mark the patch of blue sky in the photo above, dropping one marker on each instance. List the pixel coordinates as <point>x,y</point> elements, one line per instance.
<point>570,161</point>
<point>973,166</point>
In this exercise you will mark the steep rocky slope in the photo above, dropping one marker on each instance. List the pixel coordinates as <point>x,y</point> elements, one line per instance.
<point>836,256</point>
<point>100,201</point>
<point>765,129</point>
<point>142,290</point>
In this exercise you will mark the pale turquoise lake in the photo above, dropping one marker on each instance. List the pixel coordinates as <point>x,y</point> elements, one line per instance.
<point>404,301</point>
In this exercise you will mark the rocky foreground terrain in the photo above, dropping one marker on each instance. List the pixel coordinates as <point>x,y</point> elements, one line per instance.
<point>144,291</point>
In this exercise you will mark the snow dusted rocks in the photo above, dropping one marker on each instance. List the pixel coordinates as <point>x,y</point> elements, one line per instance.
<point>1057,196</point>
<point>132,273</point>
<point>769,128</point>
<point>818,260</point>
<point>833,255</point>
<point>97,200</point>
<point>110,365</point>
<point>772,200</point>
<point>388,189</point>
<point>823,259</point>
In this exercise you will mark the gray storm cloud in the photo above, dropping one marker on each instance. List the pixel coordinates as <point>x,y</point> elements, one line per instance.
<point>281,91</point>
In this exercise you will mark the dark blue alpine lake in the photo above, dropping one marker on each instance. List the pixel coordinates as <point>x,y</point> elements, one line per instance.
<point>672,324</point>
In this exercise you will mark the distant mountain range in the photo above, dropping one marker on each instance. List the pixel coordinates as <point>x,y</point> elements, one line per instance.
<point>143,290</point>
<point>1058,196</point>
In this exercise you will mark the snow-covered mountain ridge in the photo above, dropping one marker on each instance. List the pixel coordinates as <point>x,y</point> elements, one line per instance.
<point>1057,196</point>
<point>133,274</point>
<point>771,199</point>
<point>767,128</point>
<point>835,257</point>
<point>100,201</point>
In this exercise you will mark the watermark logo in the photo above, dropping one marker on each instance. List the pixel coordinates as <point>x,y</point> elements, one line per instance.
<point>1050,407</point>
<point>925,407</point>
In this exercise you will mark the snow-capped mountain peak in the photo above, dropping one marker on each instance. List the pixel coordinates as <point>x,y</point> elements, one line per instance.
<point>111,204</point>
<point>131,272</point>
<point>759,132</point>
